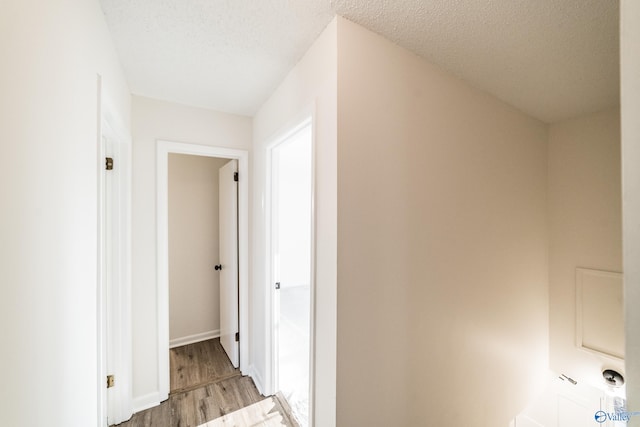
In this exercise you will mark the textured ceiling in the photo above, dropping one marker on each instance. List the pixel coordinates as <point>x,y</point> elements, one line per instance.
<point>553,59</point>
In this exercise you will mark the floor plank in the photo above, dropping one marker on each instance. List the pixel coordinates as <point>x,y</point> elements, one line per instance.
<point>265,413</point>
<point>198,364</point>
<point>206,391</point>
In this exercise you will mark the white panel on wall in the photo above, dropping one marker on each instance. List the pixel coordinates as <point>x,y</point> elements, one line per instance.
<point>600,317</point>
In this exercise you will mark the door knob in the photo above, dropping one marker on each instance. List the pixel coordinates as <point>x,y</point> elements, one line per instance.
<point>218,267</point>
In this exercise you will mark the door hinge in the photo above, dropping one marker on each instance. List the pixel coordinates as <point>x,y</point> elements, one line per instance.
<point>237,336</point>
<point>109,163</point>
<point>235,176</point>
<point>277,285</point>
<point>111,381</point>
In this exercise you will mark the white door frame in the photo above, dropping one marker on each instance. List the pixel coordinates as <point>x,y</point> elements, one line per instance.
<point>163,149</point>
<point>296,126</point>
<point>114,320</point>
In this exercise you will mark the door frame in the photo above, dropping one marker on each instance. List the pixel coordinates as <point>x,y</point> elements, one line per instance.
<point>307,119</point>
<point>164,148</point>
<point>114,321</point>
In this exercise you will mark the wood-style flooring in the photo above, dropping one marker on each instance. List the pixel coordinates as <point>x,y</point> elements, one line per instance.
<point>207,391</point>
<point>195,365</point>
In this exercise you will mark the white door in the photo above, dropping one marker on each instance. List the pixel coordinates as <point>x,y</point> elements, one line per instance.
<point>229,261</point>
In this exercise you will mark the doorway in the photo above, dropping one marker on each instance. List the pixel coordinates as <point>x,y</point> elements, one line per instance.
<point>202,235</point>
<point>291,230</point>
<point>165,148</point>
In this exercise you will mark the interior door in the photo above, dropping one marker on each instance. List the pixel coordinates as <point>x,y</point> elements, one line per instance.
<point>229,261</point>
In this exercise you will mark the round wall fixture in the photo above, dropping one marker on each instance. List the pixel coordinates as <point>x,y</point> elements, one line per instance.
<point>613,378</point>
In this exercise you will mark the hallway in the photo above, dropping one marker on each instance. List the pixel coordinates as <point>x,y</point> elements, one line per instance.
<point>206,391</point>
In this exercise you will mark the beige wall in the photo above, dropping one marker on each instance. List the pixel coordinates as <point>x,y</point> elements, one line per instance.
<point>442,245</point>
<point>630,102</point>
<point>153,120</point>
<point>52,54</point>
<point>194,285</point>
<point>585,226</point>
<point>309,88</point>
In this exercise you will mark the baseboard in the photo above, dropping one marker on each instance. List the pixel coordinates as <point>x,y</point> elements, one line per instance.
<point>190,339</point>
<point>257,379</point>
<point>147,401</point>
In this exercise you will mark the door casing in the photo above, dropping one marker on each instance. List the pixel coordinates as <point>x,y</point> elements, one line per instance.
<point>114,296</point>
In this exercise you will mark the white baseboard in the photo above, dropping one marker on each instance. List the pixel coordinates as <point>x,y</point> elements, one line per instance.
<point>257,379</point>
<point>147,401</point>
<point>190,339</point>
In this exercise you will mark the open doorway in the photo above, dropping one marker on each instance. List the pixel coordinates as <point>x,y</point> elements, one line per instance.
<point>291,266</point>
<point>203,296</point>
<point>226,156</point>
<point>194,285</point>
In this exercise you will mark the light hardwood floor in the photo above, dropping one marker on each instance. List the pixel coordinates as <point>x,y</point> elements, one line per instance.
<point>207,391</point>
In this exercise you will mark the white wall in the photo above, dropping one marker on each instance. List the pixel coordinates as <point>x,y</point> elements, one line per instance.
<point>585,229</point>
<point>152,120</point>
<point>442,245</point>
<point>630,105</point>
<point>311,85</point>
<point>194,285</point>
<point>52,53</point>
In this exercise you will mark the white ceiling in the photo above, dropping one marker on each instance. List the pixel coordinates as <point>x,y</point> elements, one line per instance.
<point>553,59</point>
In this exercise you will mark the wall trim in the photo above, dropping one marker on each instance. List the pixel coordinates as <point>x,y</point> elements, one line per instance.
<point>257,380</point>
<point>147,401</point>
<point>190,339</point>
